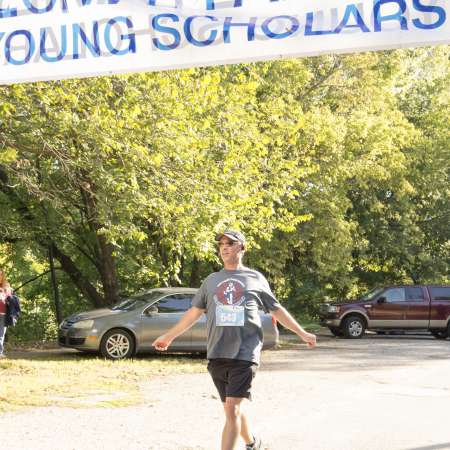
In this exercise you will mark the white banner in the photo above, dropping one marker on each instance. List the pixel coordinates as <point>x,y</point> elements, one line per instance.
<point>55,39</point>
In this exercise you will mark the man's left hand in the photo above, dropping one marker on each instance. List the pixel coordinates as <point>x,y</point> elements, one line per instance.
<point>310,339</point>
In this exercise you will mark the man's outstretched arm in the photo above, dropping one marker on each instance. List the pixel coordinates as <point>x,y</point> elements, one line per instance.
<point>187,320</point>
<point>285,318</point>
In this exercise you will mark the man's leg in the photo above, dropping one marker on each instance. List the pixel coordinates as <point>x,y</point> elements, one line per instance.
<point>233,381</point>
<point>245,431</point>
<point>233,423</point>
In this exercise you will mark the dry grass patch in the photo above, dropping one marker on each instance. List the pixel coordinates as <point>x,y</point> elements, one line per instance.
<point>75,380</point>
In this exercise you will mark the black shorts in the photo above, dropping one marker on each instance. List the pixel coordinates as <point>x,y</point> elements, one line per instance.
<point>232,377</point>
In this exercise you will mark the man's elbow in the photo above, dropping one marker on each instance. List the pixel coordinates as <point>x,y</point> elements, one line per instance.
<point>196,312</point>
<point>279,312</point>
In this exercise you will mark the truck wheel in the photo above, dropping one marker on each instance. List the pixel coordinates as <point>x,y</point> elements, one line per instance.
<point>354,327</point>
<point>440,334</point>
<point>117,344</point>
<point>336,331</point>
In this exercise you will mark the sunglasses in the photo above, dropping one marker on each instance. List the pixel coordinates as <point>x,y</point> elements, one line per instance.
<point>227,243</point>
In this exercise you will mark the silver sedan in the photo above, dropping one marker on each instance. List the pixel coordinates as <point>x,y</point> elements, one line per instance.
<point>134,323</point>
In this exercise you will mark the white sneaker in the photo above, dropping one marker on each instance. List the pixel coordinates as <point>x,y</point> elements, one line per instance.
<point>257,444</point>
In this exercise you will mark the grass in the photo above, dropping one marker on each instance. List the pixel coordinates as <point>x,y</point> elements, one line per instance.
<point>36,375</point>
<point>52,378</point>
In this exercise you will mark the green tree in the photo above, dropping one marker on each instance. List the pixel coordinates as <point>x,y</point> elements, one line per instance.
<point>335,167</point>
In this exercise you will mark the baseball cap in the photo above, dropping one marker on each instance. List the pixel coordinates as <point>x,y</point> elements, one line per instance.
<point>233,235</point>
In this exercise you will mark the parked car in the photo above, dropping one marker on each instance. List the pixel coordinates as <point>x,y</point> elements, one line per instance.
<point>134,323</point>
<point>391,308</point>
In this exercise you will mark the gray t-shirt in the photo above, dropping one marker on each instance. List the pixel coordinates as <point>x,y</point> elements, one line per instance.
<point>231,299</point>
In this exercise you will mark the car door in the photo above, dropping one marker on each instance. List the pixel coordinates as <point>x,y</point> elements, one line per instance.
<point>162,315</point>
<point>417,315</point>
<point>440,306</point>
<point>390,310</point>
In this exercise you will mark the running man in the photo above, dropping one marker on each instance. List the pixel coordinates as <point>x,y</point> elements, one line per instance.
<point>234,332</point>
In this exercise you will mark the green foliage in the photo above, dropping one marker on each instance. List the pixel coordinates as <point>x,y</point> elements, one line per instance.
<point>335,167</point>
<point>37,322</point>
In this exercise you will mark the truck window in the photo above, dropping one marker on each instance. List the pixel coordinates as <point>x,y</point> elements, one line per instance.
<point>395,295</point>
<point>370,295</point>
<point>414,294</point>
<point>440,293</point>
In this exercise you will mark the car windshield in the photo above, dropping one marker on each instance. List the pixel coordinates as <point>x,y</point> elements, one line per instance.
<point>135,301</point>
<point>371,294</point>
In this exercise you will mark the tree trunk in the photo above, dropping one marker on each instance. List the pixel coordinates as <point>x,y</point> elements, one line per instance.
<point>104,250</point>
<point>108,271</point>
<point>84,285</point>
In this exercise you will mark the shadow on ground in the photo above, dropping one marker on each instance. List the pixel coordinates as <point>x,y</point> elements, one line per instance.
<point>432,447</point>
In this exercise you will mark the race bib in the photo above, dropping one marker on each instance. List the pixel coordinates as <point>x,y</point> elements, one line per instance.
<point>230,316</point>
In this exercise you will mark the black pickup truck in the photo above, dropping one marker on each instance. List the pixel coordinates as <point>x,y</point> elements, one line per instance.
<point>391,308</point>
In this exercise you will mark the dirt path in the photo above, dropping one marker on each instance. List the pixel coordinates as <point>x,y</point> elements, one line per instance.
<point>379,393</point>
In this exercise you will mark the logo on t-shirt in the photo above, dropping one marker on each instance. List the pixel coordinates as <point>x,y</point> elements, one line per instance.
<point>230,292</point>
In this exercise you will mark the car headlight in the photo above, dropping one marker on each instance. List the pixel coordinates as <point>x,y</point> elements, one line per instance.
<point>333,309</point>
<point>83,324</point>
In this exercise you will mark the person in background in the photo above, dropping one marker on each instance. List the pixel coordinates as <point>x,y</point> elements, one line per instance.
<point>231,299</point>
<point>5,292</point>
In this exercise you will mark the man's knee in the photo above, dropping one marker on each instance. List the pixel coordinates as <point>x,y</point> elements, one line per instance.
<point>232,407</point>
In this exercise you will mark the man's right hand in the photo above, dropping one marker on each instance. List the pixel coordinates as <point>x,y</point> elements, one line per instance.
<point>187,320</point>
<point>162,342</point>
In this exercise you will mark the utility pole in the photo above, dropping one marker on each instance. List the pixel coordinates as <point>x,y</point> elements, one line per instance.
<point>50,250</point>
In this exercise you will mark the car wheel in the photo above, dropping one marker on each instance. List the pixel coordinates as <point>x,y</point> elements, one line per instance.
<point>117,344</point>
<point>336,331</point>
<point>440,334</point>
<point>354,327</point>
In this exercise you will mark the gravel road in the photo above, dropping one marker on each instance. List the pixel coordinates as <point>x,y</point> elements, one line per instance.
<point>378,393</point>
